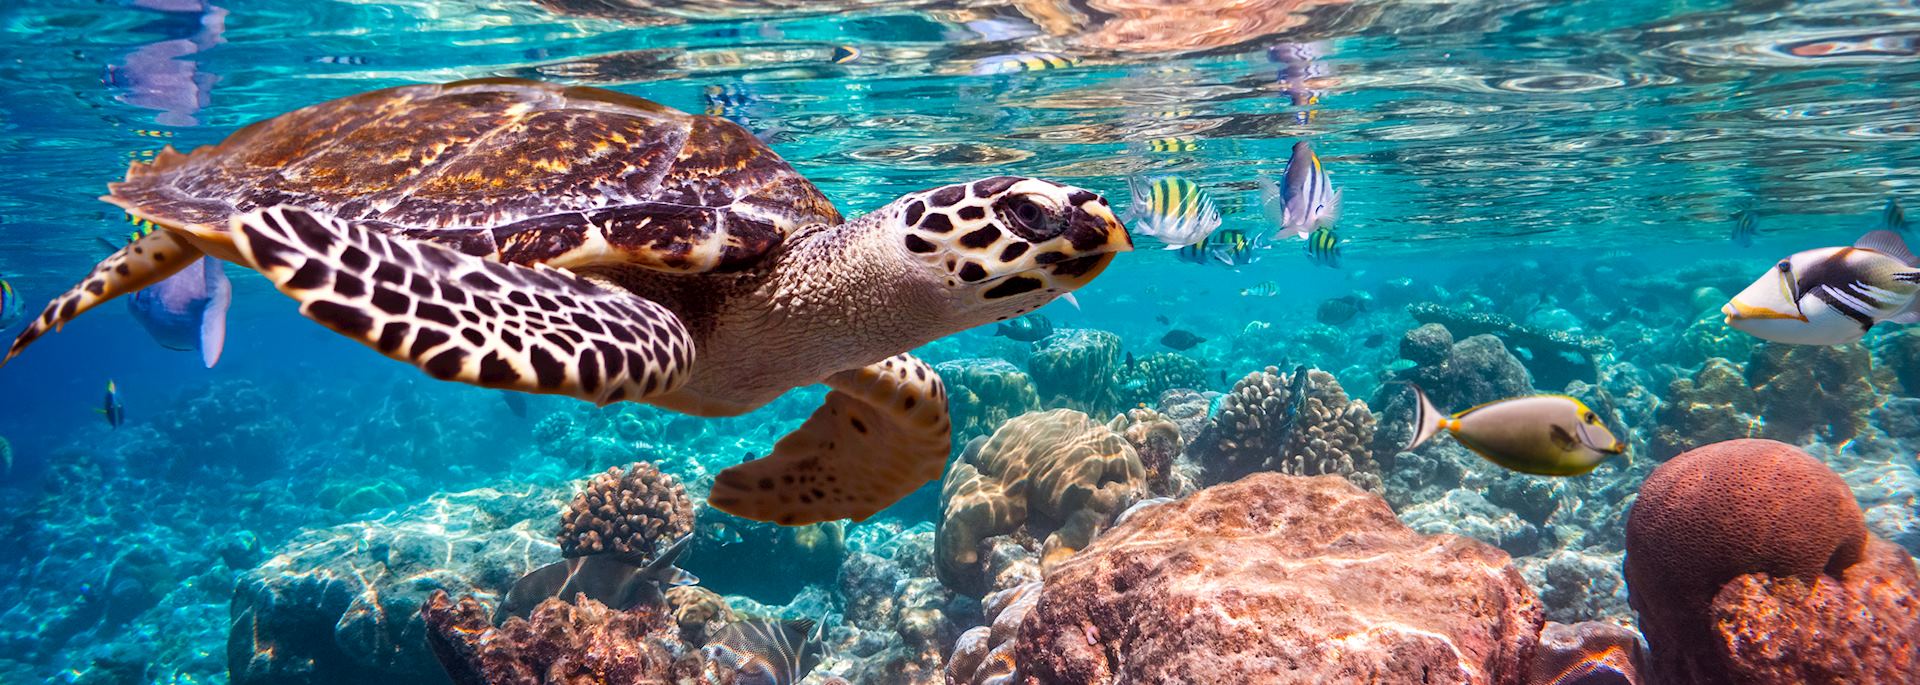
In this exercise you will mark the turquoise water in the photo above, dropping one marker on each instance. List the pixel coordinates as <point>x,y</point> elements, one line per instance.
<point>1574,167</point>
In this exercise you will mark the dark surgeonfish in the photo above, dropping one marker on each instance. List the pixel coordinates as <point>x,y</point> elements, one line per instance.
<point>618,581</point>
<point>188,310</point>
<point>111,408</point>
<point>1029,328</point>
<point>1181,339</point>
<point>766,652</point>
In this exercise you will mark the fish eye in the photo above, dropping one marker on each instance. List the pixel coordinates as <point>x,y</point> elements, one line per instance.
<point>1591,418</point>
<point>1784,266</point>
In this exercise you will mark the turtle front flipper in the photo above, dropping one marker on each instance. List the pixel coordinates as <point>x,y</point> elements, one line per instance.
<point>463,318</point>
<point>882,433</point>
<point>143,262</point>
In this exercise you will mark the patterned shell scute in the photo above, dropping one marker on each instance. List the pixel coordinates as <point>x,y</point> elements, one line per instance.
<point>520,171</point>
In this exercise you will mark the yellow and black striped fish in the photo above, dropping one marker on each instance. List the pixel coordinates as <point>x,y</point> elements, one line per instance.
<point>1264,289</point>
<point>141,227</point>
<point>1231,247</point>
<point>1023,61</point>
<point>1323,247</point>
<point>1173,210</point>
<point>152,133</point>
<point>764,652</point>
<point>1174,144</point>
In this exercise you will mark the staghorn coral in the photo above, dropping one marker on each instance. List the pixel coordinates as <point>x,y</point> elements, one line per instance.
<point>630,513</point>
<point>1727,511</point>
<point>560,644</point>
<point>984,393</point>
<point>1329,434</point>
<point>1278,579</point>
<point>1157,440</point>
<point>1143,382</point>
<point>1075,368</point>
<point>1055,477</point>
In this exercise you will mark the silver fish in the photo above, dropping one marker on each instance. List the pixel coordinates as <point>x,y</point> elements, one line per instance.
<point>765,652</point>
<point>1305,199</point>
<point>618,581</point>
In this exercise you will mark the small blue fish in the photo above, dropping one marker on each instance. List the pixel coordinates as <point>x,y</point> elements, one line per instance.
<point>1746,225</point>
<point>115,412</point>
<point>1231,247</point>
<point>1023,61</point>
<point>1323,248</point>
<point>11,307</point>
<point>1304,200</point>
<point>1893,218</point>
<point>1173,210</point>
<point>188,310</point>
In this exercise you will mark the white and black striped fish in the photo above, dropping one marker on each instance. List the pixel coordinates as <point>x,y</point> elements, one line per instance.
<point>1746,225</point>
<point>1173,210</point>
<point>1304,200</point>
<point>1893,218</point>
<point>764,652</point>
<point>1832,295</point>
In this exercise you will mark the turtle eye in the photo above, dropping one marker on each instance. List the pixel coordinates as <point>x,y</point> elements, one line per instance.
<point>1028,219</point>
<point>1028,214</point>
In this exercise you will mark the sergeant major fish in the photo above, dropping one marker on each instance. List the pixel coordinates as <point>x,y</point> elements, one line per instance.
<point>1323,248</point>
<point>1174,210</point>
<point>1545,435</point>
<point>1230,247</point>
<point>1019,62</point>
<point>1304,200</point>
<point>1831,295</point>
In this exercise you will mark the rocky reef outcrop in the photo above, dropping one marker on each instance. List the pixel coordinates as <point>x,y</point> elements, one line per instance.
<point>1455,375</point>
<point>560,643</point>
<point>1750,562</point>
<point>983,393</point>
<point>1288,424</point>
<point>1077,368</point>
<point>342,604</point>
<point>1791,393</point>
<point>1555,356</point>
<point>1258,581</point>
<point>1032,494</point>
<point>900,621</point>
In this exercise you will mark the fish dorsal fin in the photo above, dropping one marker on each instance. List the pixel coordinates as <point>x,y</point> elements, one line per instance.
<point>1887,243</point>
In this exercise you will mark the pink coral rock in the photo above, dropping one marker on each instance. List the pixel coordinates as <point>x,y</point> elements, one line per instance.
<point>1279,579</point>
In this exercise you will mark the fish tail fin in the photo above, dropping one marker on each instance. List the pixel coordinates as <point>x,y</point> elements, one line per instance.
<point>1141,194</point>
<point>1427,419</point>
<point>213,319</point>
<point>139,264</point>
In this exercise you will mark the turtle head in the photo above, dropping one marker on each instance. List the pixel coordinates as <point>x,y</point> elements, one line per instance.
<point>1007,245</point>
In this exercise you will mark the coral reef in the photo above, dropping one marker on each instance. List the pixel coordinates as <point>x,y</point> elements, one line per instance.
<point>560,643</point>
<point>983,393</point>
<point>1722,536</point>
<point>1791,393</point>
<point>902,621</point>
<point>630,513</point>
<point>1466,512</point>
<point>1578,585</point>
<point>1454,375</point>
<point>1260,428</point>
<point>342,604</point>
<point>1556,357</point>
<point>1900,353</point>
<point>984,654</point>
<point>1715,405</point>
<point>1054,476</point>
<point>1076,368</point>
<point>1157,440</point>
<point>697,611</point>
<point>1187,409</point>
<point>1253,580</point>
<point>1590,653</point>
<point>1143,382</point>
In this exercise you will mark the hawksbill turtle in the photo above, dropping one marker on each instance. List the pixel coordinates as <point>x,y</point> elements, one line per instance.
<point>575,241</point>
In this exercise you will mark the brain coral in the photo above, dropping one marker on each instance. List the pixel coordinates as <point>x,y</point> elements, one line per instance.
<point>1056,476</point>
<point>629,513</point>
<point>1717,513</point>
<point>1330,434</point>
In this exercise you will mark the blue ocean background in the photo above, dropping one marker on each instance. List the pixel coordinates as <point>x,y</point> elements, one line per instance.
<point>1575,166</point>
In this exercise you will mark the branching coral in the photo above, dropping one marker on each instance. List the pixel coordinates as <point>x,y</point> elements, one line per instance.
<point>984,393</point>
<point>1258,428</point>
<point>1054,476</point>
<point>629,513</point>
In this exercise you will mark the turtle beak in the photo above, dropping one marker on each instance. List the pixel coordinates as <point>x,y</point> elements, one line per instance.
<point>1097,235</point>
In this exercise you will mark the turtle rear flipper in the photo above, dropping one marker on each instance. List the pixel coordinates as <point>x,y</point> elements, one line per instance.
<point>141,263</point>
<point>882,433</point>
<point>462,318</point>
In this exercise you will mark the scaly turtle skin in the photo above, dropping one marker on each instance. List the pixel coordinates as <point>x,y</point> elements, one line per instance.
<point>575,241</point>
